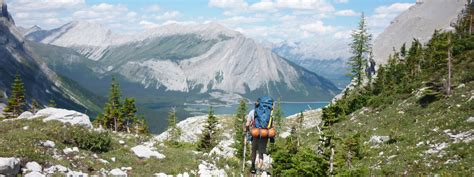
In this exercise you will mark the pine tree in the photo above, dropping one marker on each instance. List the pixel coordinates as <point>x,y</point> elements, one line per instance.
<point>239,124</point>
<point>34,106</point>
<point>128,113</point>
<point>16,101</point>
<point>360,47</point>
<point>299,122</point>
<point>174,130</point>
<point>209,136</point>
<point>278,115</point>
<point>112,114</point>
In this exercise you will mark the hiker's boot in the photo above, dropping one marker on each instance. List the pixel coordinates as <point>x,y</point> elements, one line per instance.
<point>252,169</point>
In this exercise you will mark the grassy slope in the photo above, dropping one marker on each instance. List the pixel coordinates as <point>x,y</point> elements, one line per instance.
<point>413,129</point>
<point>15,141</point>
<point>408,124</point>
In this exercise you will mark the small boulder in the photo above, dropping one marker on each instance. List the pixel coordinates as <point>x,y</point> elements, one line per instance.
<point>117,173</point>
<point>56,168</point>
<point>34,166</point>
<point>146,152</point>
<point>126,168</point>
<point>70,150</point>
<point>160,175</point>
<point>121,142</point>
<point>470,119</point>
<point>25,115</point>
<point>35,174</point>
<point>48,144</point>
<point>64,116</point>
<point>9,166</point>
<point>379,139</point>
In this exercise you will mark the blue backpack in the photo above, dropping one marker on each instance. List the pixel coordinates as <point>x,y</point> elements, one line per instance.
<point>263,112</point>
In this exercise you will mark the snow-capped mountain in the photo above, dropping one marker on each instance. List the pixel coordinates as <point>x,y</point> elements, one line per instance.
<point>204,59</point>
<point>41,83</point>
<point>418,22</point>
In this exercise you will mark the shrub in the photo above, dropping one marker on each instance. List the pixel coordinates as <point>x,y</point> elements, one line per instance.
<point>86,139</point>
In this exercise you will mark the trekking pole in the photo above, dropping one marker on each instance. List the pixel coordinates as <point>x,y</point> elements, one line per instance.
<point>245,150</point>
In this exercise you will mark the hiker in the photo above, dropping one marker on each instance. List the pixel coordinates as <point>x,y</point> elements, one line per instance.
<point>260,125</point>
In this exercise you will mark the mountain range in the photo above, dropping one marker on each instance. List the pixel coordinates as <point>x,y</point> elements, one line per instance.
<point>175,64</point>
<point>41,83</point>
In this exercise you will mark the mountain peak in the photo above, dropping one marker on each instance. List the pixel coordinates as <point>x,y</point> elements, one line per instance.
<point>4,11</point>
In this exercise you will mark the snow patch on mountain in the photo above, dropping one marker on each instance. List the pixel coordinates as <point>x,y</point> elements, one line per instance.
<point>418,22</point>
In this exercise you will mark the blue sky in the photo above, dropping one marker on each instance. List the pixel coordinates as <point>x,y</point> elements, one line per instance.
<point>327,22</point>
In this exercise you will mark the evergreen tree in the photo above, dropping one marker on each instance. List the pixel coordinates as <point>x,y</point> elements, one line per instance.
<point>52,104</point>
<point>239,125</point>
<point>112,113</point>
<point>403,51</point>
<point>299,122</point>
<point>128,113</point>
<point>209,136</point>
<point>360,48</point>
<point>141,126</point>
<point>16,101</point>
<point>278,115</point>
<point>34,106</point>
<point>174,130</point>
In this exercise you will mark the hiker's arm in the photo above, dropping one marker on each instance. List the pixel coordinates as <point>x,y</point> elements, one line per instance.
<point>248,123</point>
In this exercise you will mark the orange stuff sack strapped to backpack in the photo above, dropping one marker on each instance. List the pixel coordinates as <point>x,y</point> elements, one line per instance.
<point>263,132</point>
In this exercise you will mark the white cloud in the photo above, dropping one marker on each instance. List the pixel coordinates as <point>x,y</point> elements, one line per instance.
<point>148,25</point>
<point>153,8</point>
<point>228,4</point>
<point>317,5</point>
<point>317,27</point>
<point>37,5</point>
<point>384,15</point>
<point>347,13</point>
<point>341,1</point>
<point>168,15</point>
<point>343,34</point>
<point>394,8</point>
<point>238,20</point>
<point>264,5</point>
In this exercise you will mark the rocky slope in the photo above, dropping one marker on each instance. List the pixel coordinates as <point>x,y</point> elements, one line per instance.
<point>418,22</point>
<point>41,82</point>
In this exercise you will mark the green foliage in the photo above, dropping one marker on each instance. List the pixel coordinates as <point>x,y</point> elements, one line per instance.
<point>174,131</point>
<point>16,101</point>
<point>52,104</point>
<point>419,73</point>
<point>34,106</point>
<point>209,136</point>
<point>278,115</point>
<point>239,125</point>
<point>120,115</point>
<point>291,160</point>
<point>86,139</point>
<point>360,48</point>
